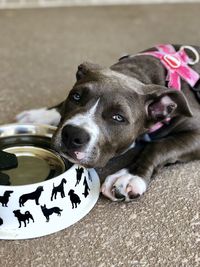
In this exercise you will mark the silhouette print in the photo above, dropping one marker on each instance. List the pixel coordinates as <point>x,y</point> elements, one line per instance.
<point>23,217</point>
<point>89,176</point>
<point>34,195</point>
<point>47,212</point>
<point>5,198</point>
<point>59,188</point>
<point>1,221</point>
<point>79,172</point>
<point>87,189</point>
<point>74,198</point>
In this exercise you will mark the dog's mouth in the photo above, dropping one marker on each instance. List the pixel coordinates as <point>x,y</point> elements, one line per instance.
<point>77,157</point>
<point>88,158</point>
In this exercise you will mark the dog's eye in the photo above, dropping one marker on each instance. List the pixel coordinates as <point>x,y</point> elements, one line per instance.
<point>118,118</point>
<point>76,97</point>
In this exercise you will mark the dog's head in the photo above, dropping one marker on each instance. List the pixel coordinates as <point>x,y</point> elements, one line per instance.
<point>39,189</point>
<point>79,170</point>
<point>71,192</point>
<point>16,212</point>
<point>43,207</point>
<point>8,192</point>
<point>106,111</point>
<point>64,181</point>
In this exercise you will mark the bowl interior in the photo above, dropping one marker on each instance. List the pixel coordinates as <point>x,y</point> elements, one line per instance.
<point>37,162</point>
<point>35,165</point>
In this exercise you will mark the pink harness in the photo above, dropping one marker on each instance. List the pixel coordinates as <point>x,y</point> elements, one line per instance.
<point>176,62</point>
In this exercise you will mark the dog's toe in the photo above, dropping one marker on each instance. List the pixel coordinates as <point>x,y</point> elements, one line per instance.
<point>118,194</point>
<point>136,187</point>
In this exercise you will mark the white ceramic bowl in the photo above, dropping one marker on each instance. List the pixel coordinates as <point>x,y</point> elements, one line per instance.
<point>41,208</point>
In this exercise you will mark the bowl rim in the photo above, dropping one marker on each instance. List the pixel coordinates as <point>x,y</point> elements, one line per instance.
<point>38,133</point>
<point>29,126</point>
<point>14,187</point>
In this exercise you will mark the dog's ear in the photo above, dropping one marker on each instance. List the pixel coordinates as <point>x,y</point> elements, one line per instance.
<point>166,103</point>
<point>85,68</point>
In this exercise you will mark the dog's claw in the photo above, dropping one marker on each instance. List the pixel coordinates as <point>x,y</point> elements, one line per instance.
<point>108,193</point>
<point>118,194</point>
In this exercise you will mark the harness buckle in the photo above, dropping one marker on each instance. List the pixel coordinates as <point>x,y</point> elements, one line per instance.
<point>194,51</point>
<point>172,61</point>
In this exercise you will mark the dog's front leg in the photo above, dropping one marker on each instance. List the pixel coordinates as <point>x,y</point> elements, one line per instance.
<point>50,116</point>
<point>133,181</point>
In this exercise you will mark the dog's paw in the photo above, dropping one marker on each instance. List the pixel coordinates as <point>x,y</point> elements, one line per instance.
<point>123,185</point>
<point>39,116</point>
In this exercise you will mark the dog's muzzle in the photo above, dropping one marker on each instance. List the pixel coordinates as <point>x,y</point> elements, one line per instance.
<point>74,138</point>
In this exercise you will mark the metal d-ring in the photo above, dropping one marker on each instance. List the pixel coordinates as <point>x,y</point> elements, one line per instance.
<point>194,51</point>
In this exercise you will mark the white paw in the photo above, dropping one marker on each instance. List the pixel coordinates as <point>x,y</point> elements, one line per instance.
<point>123,185</point>
<point>39,116</point>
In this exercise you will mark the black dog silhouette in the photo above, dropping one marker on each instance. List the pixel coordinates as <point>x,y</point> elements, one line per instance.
<point>79,172</point>
<point>23,217</point>
<point>34,195</point>
<point>59,188</point>
<point>1,221</point>
<point>86,189</point>
<point>74,198</point>
<point>47,212</point>
<point>5,198</point>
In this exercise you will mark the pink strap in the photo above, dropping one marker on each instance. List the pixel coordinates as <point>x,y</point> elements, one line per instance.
<point>176,62</point>
<point>177,65</point>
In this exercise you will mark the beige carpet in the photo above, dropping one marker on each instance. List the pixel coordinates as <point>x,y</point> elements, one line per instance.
<point>39,53</point>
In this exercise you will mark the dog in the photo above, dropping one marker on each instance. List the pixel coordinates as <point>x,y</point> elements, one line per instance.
<point>59,188</point>
<point>79,172</point>
<point>47,212</point>
<point>31,196</point>
<point>5,198</point>
<point>74,198</point>
<point>107,119</point>
<point>23,217</point>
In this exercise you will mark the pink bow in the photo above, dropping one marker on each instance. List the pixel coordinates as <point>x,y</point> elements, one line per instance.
<point>177,65</point>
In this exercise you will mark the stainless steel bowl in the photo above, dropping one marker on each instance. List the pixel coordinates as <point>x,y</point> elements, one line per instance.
<point>31,144</point>
<point>45,194</point>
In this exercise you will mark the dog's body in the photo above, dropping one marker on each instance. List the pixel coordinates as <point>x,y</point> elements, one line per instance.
<point>79,172</point>
<point>31,196</point>
<point>23,217</point>
<point>59,188</point>
<point>109,109</point>
<point>74,198</point>
<point>86,187</point>
<point>5,198</point>
<point>47,212</point>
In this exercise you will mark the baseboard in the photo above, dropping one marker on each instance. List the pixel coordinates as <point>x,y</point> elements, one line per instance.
<point>57,3</point>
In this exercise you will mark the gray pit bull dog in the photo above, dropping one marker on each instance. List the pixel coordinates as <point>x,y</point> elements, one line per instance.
<point>106,119</point>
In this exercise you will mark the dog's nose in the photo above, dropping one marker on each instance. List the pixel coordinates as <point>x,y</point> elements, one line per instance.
<point>74,137</point>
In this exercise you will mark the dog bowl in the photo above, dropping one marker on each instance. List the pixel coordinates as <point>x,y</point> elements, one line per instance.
<point>44,194</point>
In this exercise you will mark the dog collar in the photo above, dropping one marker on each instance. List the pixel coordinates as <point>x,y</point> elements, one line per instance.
<point>177,64</point>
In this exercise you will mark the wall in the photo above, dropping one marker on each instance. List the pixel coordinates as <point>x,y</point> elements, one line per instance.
<point>44,3</point>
